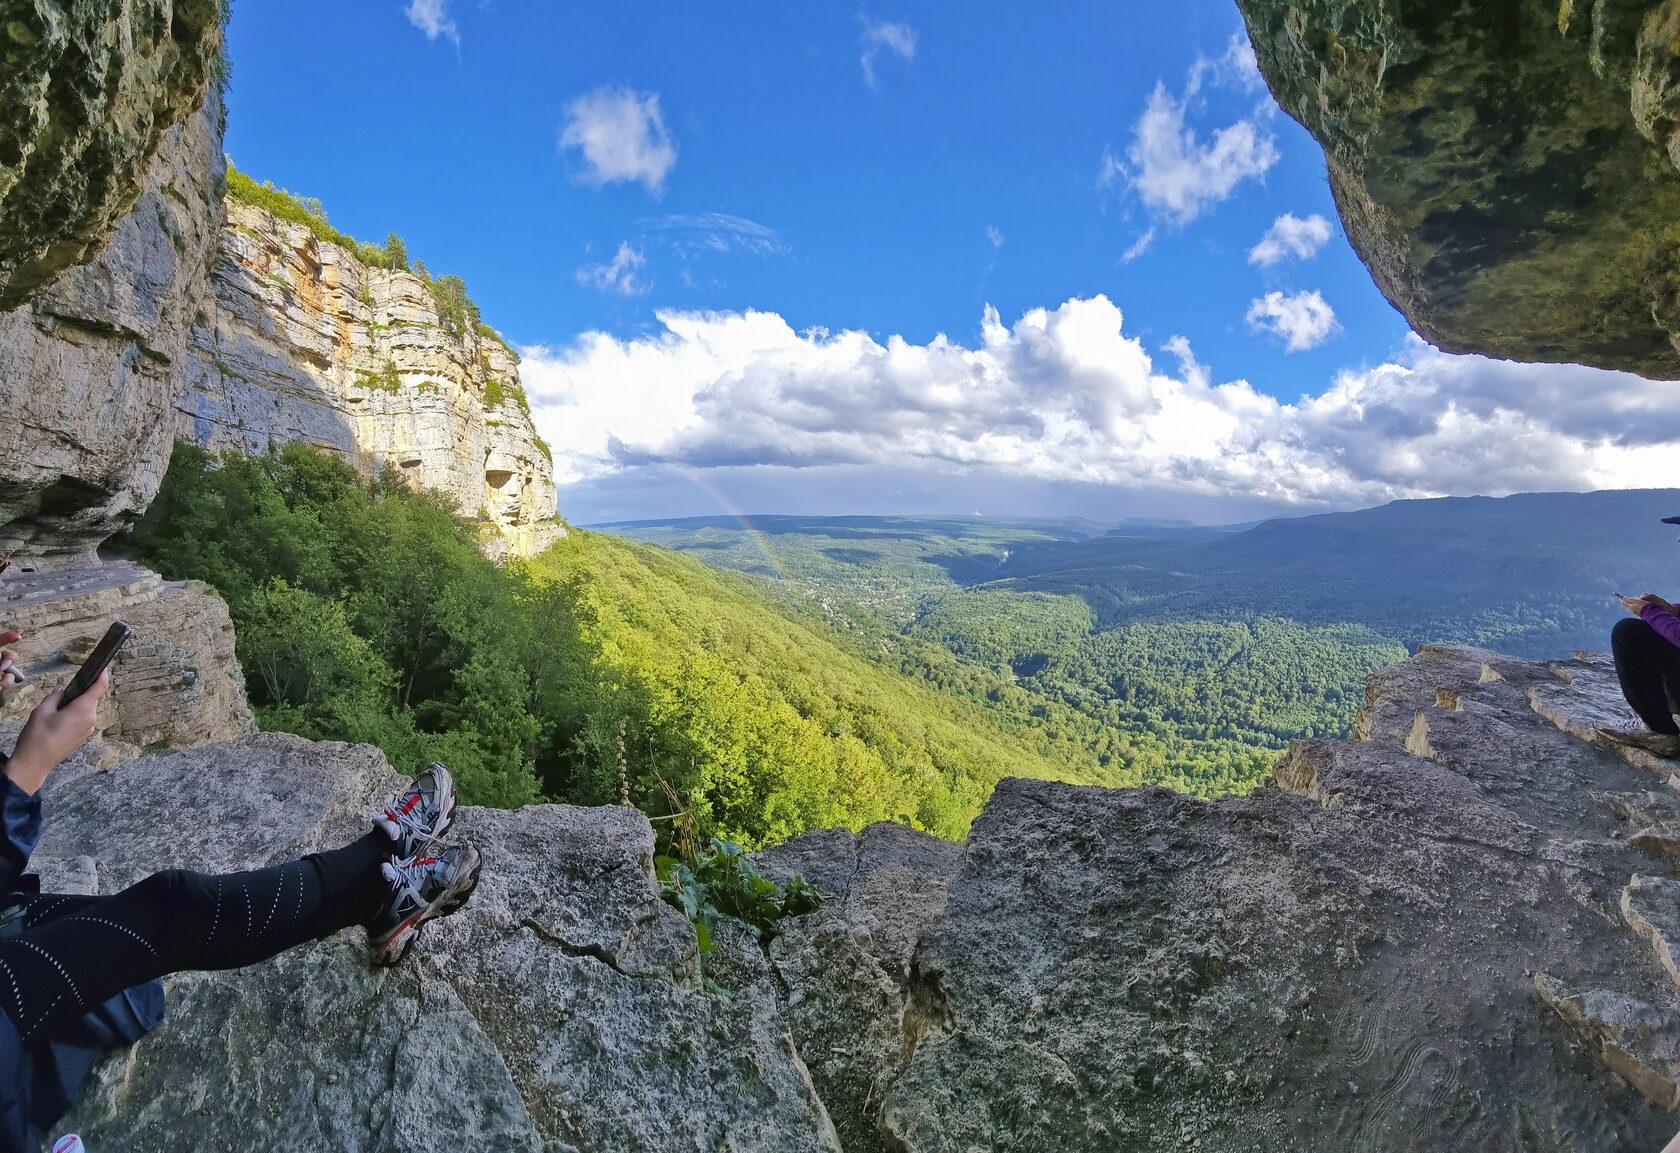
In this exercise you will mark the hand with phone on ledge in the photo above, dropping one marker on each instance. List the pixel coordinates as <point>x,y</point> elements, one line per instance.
<point>60,724</point>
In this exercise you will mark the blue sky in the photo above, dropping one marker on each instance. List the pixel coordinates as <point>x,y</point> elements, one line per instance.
<point>707,227</point>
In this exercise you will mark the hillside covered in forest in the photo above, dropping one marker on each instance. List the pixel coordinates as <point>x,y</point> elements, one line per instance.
<point>1193,655</point>
<point>599,671</point>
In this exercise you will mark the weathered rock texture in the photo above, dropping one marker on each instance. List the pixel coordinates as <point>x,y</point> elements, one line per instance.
<point>90,368</point>
<point>845,969</point>
<point>1454,933</point>
<point>87,91</point>
<point>301,341</point>
<point>557,1012</point>
<point>176,683</point>
<point>1507,171</point>
<point>1360,957</point>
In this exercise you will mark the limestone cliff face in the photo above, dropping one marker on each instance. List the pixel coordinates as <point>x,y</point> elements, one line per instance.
<point>300,340</point>
<point>90,367</point>
<point>1507,171</point>
<point>87,92</point>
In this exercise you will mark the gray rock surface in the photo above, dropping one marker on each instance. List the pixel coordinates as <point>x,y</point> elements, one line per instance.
<point>91,366</point>
<point>844,970</point>
<point>557,1012</point>
<point>87,91</point>
<point>1506,171</point>
<point>176,683</point>
<point>1345,960</point>
<point>1447,935</point>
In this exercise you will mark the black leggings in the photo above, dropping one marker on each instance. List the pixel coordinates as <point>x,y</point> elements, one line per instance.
<point>1649,669</point>
<point>74,953</point>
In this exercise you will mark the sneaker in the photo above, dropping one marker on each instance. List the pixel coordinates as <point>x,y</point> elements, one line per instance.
<point>422,888</point>
<point>1662,744</point>
<point>420,816</point>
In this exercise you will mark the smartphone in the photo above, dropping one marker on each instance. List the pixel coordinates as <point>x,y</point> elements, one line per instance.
<point>101,656</point>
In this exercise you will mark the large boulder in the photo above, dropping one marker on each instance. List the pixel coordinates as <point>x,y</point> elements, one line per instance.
<point>176,683</point>
<point>558,1012</point>
<point>1507,171</point>
<point>87,91</point>
<point>1413,942</point>
<point>845,969</point>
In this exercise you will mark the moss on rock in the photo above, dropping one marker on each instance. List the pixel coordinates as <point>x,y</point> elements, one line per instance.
<point>87,90</point>
<point>1506,170</point>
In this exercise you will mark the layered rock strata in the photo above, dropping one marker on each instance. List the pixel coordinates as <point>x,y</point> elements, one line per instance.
<point>90,368</point>
<point>176,683</point>
<point>1506,171</point>
<point>87,92</point>
<point>301,341</point>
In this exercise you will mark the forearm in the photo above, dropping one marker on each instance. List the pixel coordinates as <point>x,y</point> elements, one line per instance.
<point>28,772</point>
<point>1666,624</point>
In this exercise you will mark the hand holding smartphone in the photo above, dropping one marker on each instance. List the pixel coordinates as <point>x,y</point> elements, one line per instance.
<point>102,655</point>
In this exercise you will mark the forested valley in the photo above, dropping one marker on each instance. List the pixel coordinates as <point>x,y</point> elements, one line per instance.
<point>821,672</point>
<point>598,672</point>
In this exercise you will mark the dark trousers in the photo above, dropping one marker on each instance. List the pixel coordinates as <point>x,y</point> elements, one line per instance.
<point>1649,669</point>
<point>74,953</point>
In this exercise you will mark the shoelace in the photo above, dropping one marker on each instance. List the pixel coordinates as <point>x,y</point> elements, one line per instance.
<point>410,875</point>
<point>406,821</point>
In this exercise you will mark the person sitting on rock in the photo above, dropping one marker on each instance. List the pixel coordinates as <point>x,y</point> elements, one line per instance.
<point>1647,652</point>
<point>80,975</point>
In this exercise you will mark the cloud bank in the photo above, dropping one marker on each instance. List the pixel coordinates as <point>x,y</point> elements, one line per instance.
<point>1064,396</point>
<point>622,137</point>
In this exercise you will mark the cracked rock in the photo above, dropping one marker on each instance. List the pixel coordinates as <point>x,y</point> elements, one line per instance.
<point>556,1012</point>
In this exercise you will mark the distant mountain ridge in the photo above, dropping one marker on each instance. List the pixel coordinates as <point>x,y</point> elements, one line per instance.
<point>1534,574</point>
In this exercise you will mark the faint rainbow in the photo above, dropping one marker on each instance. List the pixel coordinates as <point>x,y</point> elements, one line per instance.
<point>758,538</point>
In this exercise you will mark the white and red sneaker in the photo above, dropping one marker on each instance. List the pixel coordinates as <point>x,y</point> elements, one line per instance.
<point>420,816</point>
<point>422,888</point>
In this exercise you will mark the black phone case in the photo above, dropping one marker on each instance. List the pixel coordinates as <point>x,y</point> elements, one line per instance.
<point>101,656</point>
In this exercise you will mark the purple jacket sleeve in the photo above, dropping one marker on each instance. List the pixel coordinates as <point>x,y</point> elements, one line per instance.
<point>1668,627</point>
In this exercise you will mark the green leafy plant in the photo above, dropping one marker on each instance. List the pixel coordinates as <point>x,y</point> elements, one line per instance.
<point>387,379</point>
<point>456,311</point>
<point>722,881</point>
<point>279,202</point>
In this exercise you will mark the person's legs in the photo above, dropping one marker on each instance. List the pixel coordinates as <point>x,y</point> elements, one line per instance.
<point>62,965</point>
<point>1649,670</point>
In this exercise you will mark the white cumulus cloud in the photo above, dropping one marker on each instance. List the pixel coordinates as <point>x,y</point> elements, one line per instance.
<point>1177,174</point>
<point>1303,319</point>
<point>622,136</point>
<point>617,275</point>
<point>883,36</point>
<point>1063,395</point>
<point>432,18</point>
<point>1290,236</point>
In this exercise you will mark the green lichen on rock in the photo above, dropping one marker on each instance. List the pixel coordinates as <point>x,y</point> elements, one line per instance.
<point>1506,170</point>
<point>87,90</point>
